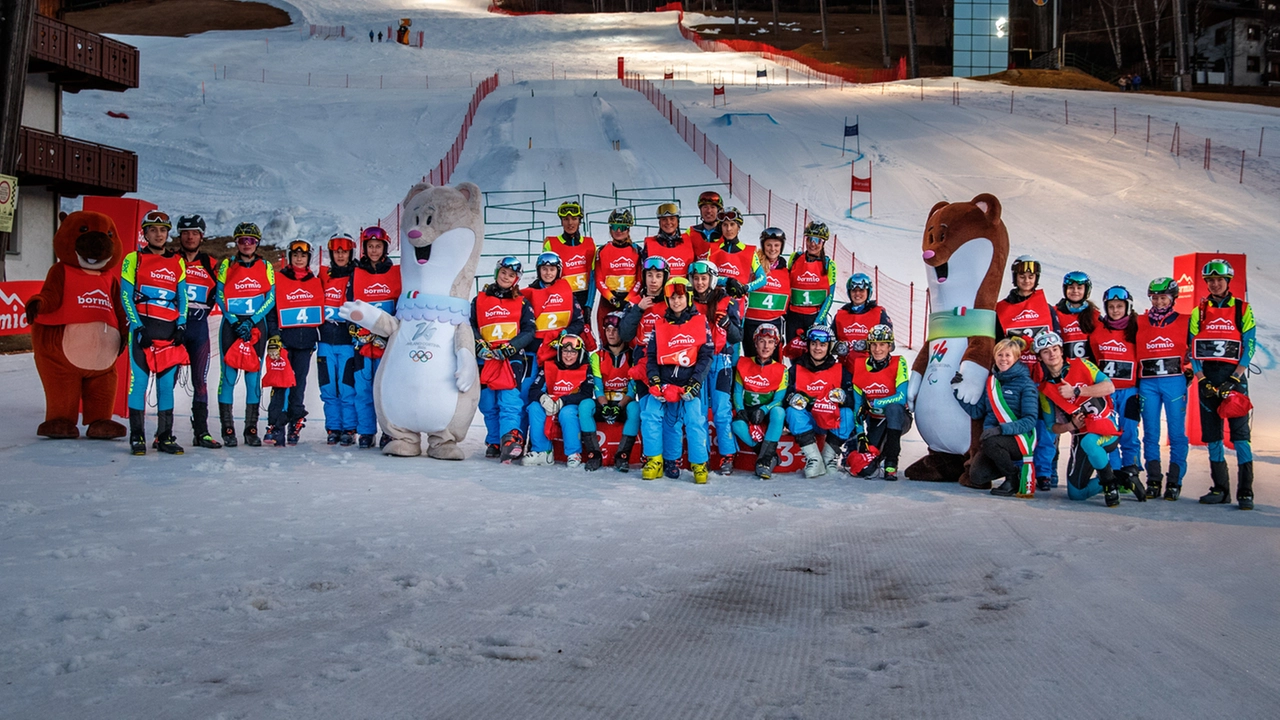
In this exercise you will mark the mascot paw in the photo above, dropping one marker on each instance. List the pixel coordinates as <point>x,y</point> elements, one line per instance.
<point>361,313</point>
<point>468,372</point>
<point>936,467</point>
<point>913,389</point>
<point>975,382</point>
<point>402,448</point>
<point>446,450</point>
<point>969,482</point>
<point>59,429</point>
<point>105,430</point>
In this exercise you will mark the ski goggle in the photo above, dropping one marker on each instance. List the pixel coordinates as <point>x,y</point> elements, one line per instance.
<point>767,332</point>
<point>859,281</point>
<point>732,215</point>
<point>155,218</point>
<point>373,233</point>
<point>819,334</point>
<point>300,246</point>
<point>510,263</point>
<point>656,263</point>
<point>571,342</point>
<point>676,286</point>
<point>710,197</point>
<point>619,228</point>
<point>1117,293</point>
<point>246,240</point>
<point>668,210</point>
<point>773,233</point>
<point>1217,268</point>
<point>569,209</point>
<point>612,320</point>
<point>702,267</point>
<point>341,241</point>
<point>1076,277</point>
<point>549,259</point>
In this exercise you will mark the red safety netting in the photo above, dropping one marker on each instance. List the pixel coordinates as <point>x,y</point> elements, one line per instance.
<point>905,305</point>
<point>441,173</point>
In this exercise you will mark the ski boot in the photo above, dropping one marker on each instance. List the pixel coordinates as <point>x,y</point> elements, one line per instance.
<point>165,442</point>
<point>1220,493</point>
<point>347,438</point>
<point>366,442</point>
<point>592,457</point>
<point>538,459</point>
<point>572,460</point>
<point>890,473</point>
<point>200,427</point>
<point>1154,478</point>
<point>831,456</point>
<point>652,468</point>
<point>137,432</point>
<point>699,473</point>
<point>671,469</point>
<point>1110,488</point>
<point>295,431</point>
<point>491,450</point>
<point>228,425</point>
<point>332,437</point>
<point>512,446</point>
<point>1129,477</point>
<point>622,459</point>
<point>1244,485</point>
<point>383,440</point>
<point>766,459</point>
<point>813,464</point>
<point>275,436</point>
<point>251,426</point>
<point>1173,483</point>
<point>726,466</point>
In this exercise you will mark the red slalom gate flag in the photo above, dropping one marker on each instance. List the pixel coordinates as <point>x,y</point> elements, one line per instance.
<point>861,184</point>
<point>668,76</point>
<point>717,90</point>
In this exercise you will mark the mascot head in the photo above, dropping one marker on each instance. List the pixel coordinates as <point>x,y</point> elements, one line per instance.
<point>965,248</point>
<point>88,240</point>
<point>441,231</point>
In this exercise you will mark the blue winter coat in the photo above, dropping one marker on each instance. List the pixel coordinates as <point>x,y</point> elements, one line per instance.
<point>1022,395</point>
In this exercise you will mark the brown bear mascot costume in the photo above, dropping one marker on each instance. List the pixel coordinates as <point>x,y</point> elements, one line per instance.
<point>77,328</point>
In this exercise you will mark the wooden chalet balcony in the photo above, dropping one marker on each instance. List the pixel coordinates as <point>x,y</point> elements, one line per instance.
<point>81,60</point>
<point>74,167</point>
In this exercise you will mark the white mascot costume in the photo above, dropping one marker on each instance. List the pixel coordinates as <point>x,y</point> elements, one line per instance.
<point>428,382</point>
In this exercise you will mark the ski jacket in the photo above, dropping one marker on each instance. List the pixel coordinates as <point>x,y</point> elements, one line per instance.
<point>679,350</point>
<point>1020,393</point>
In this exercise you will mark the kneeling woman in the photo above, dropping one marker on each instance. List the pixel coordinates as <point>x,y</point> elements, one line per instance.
<point>817,403</point>
<point>676,362</point>
<point>1077,400</point>
<point>880,400</point>
<point>566,382</point>
<point>1008,410</point>
<point>759,387</point>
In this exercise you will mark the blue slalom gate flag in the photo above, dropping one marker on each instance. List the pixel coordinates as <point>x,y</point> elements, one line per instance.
<point>851,130</point>
<point>762,73</point>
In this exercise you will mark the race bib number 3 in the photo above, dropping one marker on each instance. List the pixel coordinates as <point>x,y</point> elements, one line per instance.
<point>1217,350</point>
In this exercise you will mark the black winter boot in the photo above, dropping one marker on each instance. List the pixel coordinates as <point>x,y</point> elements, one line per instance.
<point>591,457</point>
<point>1154,477</point>
<point>766,459</point>
<point>1173,488</point>
<point>200,427</point>
<point>1131,477</point>
<point>1009,487</point>
<point>622,459</point>
<point>1244,485</point>
<point>1111,492</point>
<point>137,432</point>
<point>228,425</point>
<point>1221,491</point>
<point>251,426</point>
<point>165,442</point>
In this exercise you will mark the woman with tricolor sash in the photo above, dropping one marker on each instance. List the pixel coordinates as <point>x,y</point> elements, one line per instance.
<point>1009,408</point>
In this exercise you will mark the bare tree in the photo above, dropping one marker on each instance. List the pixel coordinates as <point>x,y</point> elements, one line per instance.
<point>775,18</point>
<point>1112,24</point>
<point>884,34</point>
<point>1142,40</point>
<point>822,13</point>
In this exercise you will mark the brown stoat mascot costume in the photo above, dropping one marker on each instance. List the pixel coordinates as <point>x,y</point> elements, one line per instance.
<point>78,328</point>
<point>965,248</point>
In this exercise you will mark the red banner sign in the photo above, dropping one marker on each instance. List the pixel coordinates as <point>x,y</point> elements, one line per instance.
<point>13,305</point>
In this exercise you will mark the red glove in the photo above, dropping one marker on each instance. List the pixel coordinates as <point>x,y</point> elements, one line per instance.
<point>656,391</point>
<point>672,393</point>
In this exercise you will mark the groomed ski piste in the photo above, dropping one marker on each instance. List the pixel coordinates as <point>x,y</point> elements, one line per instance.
<point>316,581</point>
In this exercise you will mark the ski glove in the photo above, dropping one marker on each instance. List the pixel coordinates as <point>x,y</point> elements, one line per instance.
<point>550,404</point>
<point>140,334</point>
<point>179,335</point>
<point>243,330</point>
<point>734,288</point>
<point>799,401</point>
<point>755,415</point>
<point>610,413</point>
<point>842,348</point>
<point>693,390</point>
<point>989,432</point>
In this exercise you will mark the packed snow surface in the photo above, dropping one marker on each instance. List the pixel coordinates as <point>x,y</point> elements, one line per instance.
<point>320,581</point>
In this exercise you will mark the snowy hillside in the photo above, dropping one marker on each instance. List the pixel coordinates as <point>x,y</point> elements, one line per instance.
<point>322,582</point>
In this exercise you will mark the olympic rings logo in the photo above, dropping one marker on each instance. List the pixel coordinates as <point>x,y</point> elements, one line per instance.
<point>420,355</point>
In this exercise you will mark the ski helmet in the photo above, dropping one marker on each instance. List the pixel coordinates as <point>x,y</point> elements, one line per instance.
<point>621,219</point>
<point>511,263</point>
<point>302,245</point>
<point>373,232</point>
<point>1217,268</point>
<point>669,210</point>
<point>1117,292</point>
<point>730,214</point>
<point>656,263</point>
<point>1075,277</point>
<point>1163,286</point>
<point>1045,340</point>
<point>249,230</point>
<point>881,334</point>
<point>711,197</point>
<point>703,267</point>
<point>858,281</point>
<point>341,241</point>
<point>569,208</point>
<point>612,320</point>
<point>820,333</point>
<point>155,218</point>
<point>817,230</point>
<point>767,330</point>
<point>677,286</point>
<point>1025,264</point>
<point>552,259</point>
<point>191,222</point>
<point>773,233</point>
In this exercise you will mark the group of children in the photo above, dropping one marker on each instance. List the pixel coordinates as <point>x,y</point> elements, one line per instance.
<point>696,334</point>
<point>274,320</point>
<point>1103,374</point>
<point>692,324</point>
